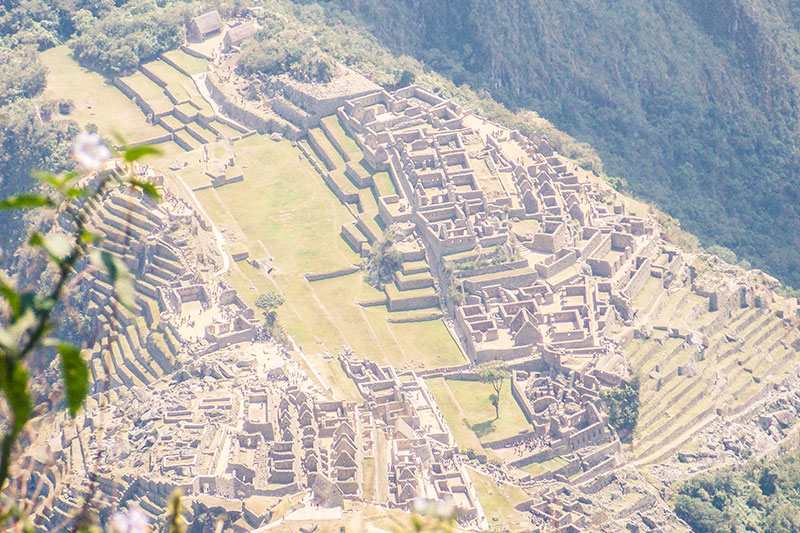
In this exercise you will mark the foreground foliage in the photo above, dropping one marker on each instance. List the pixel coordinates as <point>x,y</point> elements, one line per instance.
<point>28,317</point>
<point>762,496</point>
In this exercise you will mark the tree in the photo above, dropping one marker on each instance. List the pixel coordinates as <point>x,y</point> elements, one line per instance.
<point>268,303</point>
<point>768,480</point>
<point>22,75</point>
<point>494,374</point>
<point>407,78</point>
<point>494,399</point>
<point>384,259</point>
<point>622,405</point>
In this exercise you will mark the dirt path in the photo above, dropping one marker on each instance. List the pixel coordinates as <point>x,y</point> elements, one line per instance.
<point>226,260</point>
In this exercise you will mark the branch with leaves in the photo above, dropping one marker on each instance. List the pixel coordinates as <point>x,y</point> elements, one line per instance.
<point>28,319</point>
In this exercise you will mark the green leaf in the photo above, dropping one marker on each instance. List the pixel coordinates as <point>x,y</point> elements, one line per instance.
<point>56,181</point>
<point>50,179</point>
<point>88,237</point>
<point>9,293</point>
<point>120,278</point>
<point>13,332</point>
<point>134,154</point>
<point>76,376</point>
<point>147,187</point>
<point>57,245</point>
<point>74,192</point>
<point>25,201</point>
<point>14,382</point>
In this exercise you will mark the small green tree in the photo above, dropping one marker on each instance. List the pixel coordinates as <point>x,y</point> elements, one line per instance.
<point>269,302</point>
<point>494,373</point>
<point>384,259</point>
<point>494,399</point>
<point>622,406</point>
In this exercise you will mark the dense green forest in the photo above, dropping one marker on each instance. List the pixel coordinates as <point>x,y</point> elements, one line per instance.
<point>762,496</point>
<point>694,103</point>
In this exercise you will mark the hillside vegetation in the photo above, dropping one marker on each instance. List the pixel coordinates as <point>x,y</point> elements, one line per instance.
<point>694,103</point>
<point>761,496</point>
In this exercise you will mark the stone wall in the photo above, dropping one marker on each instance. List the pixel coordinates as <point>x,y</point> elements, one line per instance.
<point>293,114</point>
<point>248,118</point>
<point>331,274</point>
<point>411,303</point>
<point>334,141</point>
<point>491,269</point>
<point>557,265</point>
<point>320,151</point>
<point>521,279</point>
<point>638,280</point>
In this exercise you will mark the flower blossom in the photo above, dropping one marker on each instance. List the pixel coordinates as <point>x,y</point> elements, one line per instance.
<point>441,509</point>
<point>90,152</point>
<point>132,521</point>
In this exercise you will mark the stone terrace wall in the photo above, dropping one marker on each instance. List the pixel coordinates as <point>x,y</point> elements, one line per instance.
<point>248,118</point>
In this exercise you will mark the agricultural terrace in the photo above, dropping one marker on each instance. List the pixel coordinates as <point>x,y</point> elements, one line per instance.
<point>96,100</point>
<point>284,210</point>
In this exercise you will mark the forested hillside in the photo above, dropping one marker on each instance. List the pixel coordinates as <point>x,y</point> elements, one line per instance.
<point>694,103</point>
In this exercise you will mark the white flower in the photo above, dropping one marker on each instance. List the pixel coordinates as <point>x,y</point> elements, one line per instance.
<point>445,509</point>
<point>441,509</point>
<point>90,152</point>
<point>134,521</point>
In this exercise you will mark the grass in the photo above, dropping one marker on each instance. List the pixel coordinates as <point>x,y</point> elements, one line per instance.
<point>178,84</point>
<point>284,210</point>
<point>473,397</point>
<point>149,91</point>
<point>384,184</point>
<point>189,63</point>
<point>326,146</point>
<point>96,100</point>
<point>453,414</point>
<point>498,502</point>
<point>225,130</point>
<point>536,469</point>
<point>369,479</point>
<point>170,150</point>
<point>648,291</point>
<point>347,143</point>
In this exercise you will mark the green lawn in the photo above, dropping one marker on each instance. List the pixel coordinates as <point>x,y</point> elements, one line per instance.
<point>498,501</point>
<point>149,91</point>
<point>170,151</point>
<point>326,146</point>
<point>189,63</point>
<point>345,141</point>
<point>649,290</point>
<point>286,205</point>
<point>178,84</point>
<point>96,100</point>
<point>536,469</point>
<point>455,418</point>
<point>384,184</point>
<point>225,130</point>
<point>284,210</point>
<point>473,398</point>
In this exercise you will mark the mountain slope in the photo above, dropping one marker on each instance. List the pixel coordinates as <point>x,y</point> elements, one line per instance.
<point>694,103</point>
